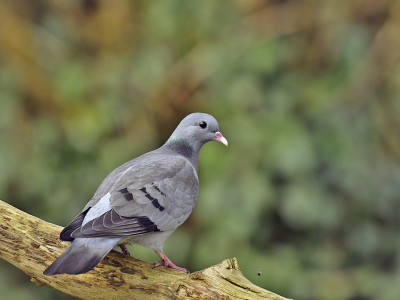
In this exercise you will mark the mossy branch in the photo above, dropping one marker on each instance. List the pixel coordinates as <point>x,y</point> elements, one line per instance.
<point>31,244</point>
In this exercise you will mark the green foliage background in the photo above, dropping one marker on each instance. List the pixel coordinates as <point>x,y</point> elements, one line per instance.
<point>306,92</point>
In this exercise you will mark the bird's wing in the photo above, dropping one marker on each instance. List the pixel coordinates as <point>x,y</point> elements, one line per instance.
<point>156,193</point>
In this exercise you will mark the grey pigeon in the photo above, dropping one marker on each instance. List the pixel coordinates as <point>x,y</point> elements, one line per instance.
<point>141,202</point>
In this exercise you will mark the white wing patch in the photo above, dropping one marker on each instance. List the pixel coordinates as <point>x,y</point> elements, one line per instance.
<point>100,208</point>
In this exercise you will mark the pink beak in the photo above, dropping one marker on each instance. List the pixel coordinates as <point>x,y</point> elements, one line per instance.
<point>221,138</point>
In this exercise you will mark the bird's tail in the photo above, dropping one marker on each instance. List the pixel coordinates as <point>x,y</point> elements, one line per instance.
<point>81,256</point>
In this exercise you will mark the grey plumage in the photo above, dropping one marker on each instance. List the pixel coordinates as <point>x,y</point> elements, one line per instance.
<point>141,202</point>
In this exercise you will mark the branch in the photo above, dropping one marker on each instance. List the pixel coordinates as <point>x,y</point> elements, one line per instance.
<point>31,244</point>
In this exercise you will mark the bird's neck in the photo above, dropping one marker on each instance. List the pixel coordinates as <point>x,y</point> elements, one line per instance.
<point>184,148</point>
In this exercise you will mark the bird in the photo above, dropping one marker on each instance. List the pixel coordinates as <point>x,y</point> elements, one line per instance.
<point>141,202</point>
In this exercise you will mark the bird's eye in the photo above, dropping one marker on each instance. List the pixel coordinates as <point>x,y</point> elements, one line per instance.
<point>203,124</point>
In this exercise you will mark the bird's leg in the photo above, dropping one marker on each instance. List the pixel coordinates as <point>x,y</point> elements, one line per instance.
<point>165,262</point>
<point>124,249</point>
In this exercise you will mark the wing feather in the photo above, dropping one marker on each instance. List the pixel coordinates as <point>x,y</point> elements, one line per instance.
<point>151,193</point>
<point>103,226</point>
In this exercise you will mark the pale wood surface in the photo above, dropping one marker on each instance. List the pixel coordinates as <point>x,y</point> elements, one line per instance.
<point>31,244</point>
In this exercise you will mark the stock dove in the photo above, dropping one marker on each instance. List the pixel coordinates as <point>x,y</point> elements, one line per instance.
<point>141,202</point>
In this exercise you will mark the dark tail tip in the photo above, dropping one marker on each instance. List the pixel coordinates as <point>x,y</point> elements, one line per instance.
<point>80,258</point>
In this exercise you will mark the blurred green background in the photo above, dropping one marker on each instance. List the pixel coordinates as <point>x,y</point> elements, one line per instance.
<point>306,92</point>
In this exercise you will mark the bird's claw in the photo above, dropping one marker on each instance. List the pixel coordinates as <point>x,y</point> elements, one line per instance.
<point>157,264</point>
<point>124,250</point>
<point>164,263</point>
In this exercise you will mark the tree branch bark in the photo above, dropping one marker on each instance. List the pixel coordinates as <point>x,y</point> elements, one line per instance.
<point>31,244</point>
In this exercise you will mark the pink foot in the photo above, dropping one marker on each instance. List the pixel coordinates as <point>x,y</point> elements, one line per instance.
<point>124,249</point>
<point>165,262</point>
